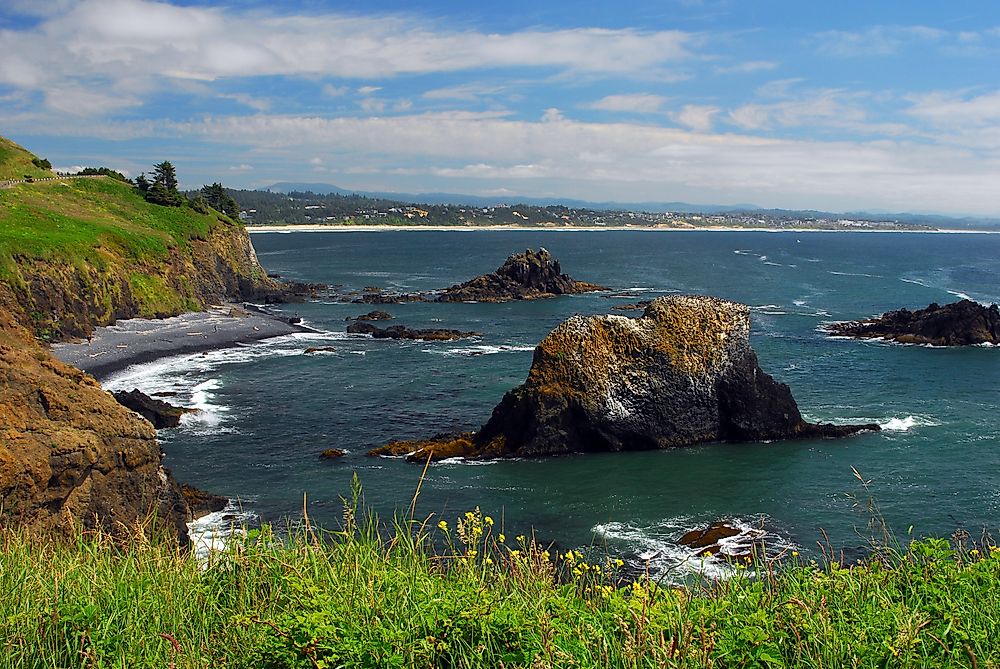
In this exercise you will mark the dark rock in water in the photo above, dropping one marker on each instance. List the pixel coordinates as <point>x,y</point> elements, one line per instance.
<point>962,323</point>
<point>320,349</point>
<point>403,332</point>
<point>293,320</point>
<point>332,454</point>
<point>159,413</point>
<point>709,536</point>
<point>634,306</point>
<point>524,276</point>
<point>387,298</point>
<point>682,374</point>
<point>202,503</point>
<point>372,316</point>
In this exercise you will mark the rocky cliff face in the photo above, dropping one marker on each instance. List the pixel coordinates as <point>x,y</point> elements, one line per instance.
<point>682,374</point>
<point>962,323</point>
<point>523,276</point>
<point>61,300</point>
<point>70,455</point>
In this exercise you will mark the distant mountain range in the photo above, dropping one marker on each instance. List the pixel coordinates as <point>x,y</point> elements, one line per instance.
<point>935,220</point>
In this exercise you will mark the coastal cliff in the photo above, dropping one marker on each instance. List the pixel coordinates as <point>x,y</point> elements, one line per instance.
<point>70,455</point>
<point>683,373</point>
<point>80,253</point>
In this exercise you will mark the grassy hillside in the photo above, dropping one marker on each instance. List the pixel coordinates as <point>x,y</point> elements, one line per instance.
<point>15,162</point>
<point>78,253</point>
<point>93,220</point>
<point>366,599</point>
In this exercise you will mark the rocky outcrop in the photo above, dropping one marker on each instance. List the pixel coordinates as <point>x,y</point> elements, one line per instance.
<point>962,323</point>
<point>332,454</point>
<point>201,503</point>
<point>70,455</point>
<point>683,373</point>
<point>161,414</point>
<point>372,316</point>
<point>403,332</point>
<point>523,276</point>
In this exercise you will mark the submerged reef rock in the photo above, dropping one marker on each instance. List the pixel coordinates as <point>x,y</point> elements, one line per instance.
<point>403,332</point>
<point>962,323</point>
<point>161,414</point>
<point>524,276</point>
<point>684,373</point>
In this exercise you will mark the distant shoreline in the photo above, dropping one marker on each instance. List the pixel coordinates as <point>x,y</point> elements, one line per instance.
<point>282,229</point>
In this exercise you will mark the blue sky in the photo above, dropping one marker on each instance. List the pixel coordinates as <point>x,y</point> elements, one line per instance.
<point>842,106</point>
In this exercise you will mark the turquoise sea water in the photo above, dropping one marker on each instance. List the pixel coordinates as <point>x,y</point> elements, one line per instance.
<point>269,410</point>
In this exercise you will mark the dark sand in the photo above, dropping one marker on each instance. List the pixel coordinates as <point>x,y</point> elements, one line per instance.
<point>139,340</point>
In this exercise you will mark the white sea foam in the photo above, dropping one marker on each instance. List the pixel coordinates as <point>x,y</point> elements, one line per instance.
<point>212,533</point>
<point>907,423</point>
<point>799,303</point>
<point>870,276</point>
<point>655,547</point>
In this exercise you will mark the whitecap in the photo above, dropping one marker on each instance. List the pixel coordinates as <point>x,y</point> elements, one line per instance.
<point>907,423</point>
<point>655,549</point>
<point>480,349</point>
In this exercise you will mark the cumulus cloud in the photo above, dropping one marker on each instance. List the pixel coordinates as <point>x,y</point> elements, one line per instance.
<point>639,103</point>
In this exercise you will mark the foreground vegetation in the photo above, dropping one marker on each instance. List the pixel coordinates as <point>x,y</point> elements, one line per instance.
<point>439,594</point>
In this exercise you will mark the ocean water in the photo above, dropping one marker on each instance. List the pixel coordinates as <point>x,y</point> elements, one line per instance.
<point>268,410</point>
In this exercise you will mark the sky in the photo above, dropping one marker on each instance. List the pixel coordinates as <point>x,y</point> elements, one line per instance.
<point>879,106</point>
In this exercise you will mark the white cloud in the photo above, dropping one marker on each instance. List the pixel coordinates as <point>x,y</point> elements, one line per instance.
<point>874,41</point>
<point>368,90</point>
<point>957,110</point>
<point>111,44</point>
<point>466,92</point>
<point>639,103</point>
<point>335,91</point>
<point>696,117</point>
<point>634,161</point>
<point>748,67</point>
<point>371,105</point>
<point>242,167</point>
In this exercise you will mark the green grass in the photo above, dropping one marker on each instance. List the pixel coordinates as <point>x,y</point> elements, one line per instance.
<point>15,162</point>
<point>463,595</point>
<point>91,218</point>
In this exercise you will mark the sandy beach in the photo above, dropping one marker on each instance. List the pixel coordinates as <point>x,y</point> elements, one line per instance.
<point>139,340</point>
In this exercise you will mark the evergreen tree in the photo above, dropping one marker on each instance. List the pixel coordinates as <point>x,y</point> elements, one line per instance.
<point>163,189</point>
<point>142,183</point>
<point>218,198</point>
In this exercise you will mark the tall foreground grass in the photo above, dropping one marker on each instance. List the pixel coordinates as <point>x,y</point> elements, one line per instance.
<point>461,594</point>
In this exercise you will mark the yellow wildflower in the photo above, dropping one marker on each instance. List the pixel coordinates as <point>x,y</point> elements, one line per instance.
<point>443,525</point>
<point>501,538</point>
<point>488,520</point>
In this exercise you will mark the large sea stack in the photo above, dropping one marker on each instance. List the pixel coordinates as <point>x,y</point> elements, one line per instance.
<point>684,373</point>
<point>961,323</point>
<point>523,276</point>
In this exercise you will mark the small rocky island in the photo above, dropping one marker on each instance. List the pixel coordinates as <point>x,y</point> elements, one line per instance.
<point>523,276</point>
<point>403,332</point>
<point>961,323</point>
<point>684,373</point>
